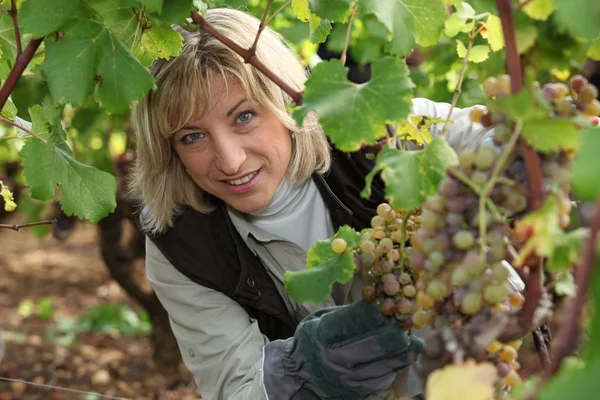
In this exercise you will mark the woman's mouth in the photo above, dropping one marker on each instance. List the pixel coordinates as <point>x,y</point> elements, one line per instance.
<point>245,183</point>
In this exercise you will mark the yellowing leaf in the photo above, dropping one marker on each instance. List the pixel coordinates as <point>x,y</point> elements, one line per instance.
<point>9,200</point>
<point>594,50</point>
<point>454,25</point>
<point>477,54</point>
<point>539,9</point>
<point>542,228</point>
<point>406,131</point>
<point>468,381</point>
<point>493,33</point>
<point>301,10</point>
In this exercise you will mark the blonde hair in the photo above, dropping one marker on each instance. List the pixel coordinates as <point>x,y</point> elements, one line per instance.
<point>183,91</point>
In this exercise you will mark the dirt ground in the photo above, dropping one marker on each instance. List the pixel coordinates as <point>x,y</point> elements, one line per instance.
<point>72,274</point>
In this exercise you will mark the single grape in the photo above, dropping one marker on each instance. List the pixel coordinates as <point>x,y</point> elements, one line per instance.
<point>500,272</point>
<point>435,203</point>
<point>437,259</point>
<point>502,134</point>
<point>383,209</point>
<point>424,300</point>
<point>367,247</point>
<point>487,120</point>
<point>471,303</point>
<point>503,369</point>
<point>460,277</point>
<point>391,287</point>
<point>562,90</point>
<point>516,299</point>
<point>421,318</point>
<point>377,221</point>
<point>338,245</point>
<point>494,347</point>
<point>495,293</point>
<point>476,114</point>
<point>577,83</point>
<point>429,219</point>
<point>549,92</point>
<point>409,291</point>
<point>466,159</point>
<point>454,219</point>
<point>479,178</point>
<point>588,93</point>
<point>593,109</point>
<point>513,379</point>
<point>515,344</point>
<point>386,266</point>
<point>508,354</point>
<point>404,306</point>
<point>463,239</point>
<point>490,86</point>
<point>437,289</point>
<point>369,294</point>
<point>386,244</point>
<point>379,233</point>
<point>366,260</point>
<point>448,188</point>
<point>504,83</point>
<point>393,255</point>
<point>417,261</point>
<point>388,307</point>
<point>405,278</point>
<point>485,157</point>
<point>564,107</point>
<point>515,365</point>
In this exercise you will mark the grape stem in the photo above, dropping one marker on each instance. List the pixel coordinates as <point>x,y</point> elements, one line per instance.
<point>17,227</point>
<point>569,332</point>
<point>404,238</point>
<point>280,9</point>
<point>17,70</point>
<point>348,31</point>
<point>13,15</point>
<point>35,135</point>
<point>486,190</point>
<point>472,35</point>
<point>261,27</point>
<point>248,56</point>
<point>456,173</point>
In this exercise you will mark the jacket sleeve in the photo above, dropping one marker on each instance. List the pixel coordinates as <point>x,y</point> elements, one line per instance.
<point>220,344</point>
<point>462,133</point>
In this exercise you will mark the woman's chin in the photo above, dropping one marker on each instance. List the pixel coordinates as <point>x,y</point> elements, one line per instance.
<point>248,206</point>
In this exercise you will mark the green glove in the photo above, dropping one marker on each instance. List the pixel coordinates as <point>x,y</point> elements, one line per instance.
<point>348,352</point>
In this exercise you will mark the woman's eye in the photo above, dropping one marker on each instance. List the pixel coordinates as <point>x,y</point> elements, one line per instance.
<point>244,116</point>
<point>192,137</point>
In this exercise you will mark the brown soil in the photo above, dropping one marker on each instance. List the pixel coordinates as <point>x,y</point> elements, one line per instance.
<point>71,273</point>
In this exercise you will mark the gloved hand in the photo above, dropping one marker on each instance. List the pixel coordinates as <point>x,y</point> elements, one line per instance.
<point>346,352</point>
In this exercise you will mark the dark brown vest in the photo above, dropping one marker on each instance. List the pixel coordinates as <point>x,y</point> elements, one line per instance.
<point>208,249</point>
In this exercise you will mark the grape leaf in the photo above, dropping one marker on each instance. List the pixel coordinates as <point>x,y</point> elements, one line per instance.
<point>153,5</point>
<point>8,46</point>
<point>592,350</point>
<point>478,53</point>
<point>468,381</point>
<point>319,29</point>
<point>586,167</point>
<point>86,191</point>
<point>176,11</point>
<point>89,51</point>
<point>580,17</point>
<point>409,21</point>
<point>160,41</point>
<point>352,114</point>
<point>454,25</point>
<point>406,131</point>
<point>9,111</point>
<point>411,176</point>
<point>547,135</point>
<point>120,18</point>
<point>594,50</point>
<point>539,9</point>
<point>526,36</point>
<point>301,9</point>
<point>543,226</point>
<point>583,381</point>
<point>324,267</point>
<point>493,33</point>
<point>565,285</point>
<point>7,196</point>
<point>567,250</point>
<point>333,10</point>
<point>40,17</point>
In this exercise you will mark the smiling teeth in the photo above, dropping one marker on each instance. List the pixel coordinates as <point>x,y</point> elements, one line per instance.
<point>242,180</point>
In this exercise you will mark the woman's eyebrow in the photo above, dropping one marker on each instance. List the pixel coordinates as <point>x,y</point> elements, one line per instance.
<point>239,103</point>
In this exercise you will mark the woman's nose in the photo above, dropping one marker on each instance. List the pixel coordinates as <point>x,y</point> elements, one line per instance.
<point>230,154</point>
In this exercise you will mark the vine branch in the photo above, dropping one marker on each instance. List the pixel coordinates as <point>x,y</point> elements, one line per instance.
<point>472,35</point>
<point>17,70</point>
<point>13,15</point>
<point>261,27</point>
<point>248,57</point>
<point>21,127</point>
<point>17,227</point>
<point>280,9</point>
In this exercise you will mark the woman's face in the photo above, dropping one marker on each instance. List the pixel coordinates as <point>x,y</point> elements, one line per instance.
<point>236,151</point>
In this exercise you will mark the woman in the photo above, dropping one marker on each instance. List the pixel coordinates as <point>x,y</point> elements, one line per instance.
<point>235,194</point>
